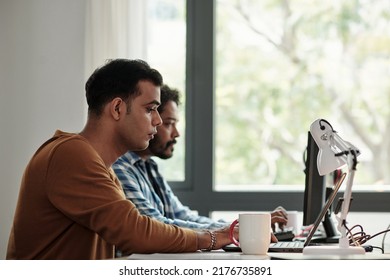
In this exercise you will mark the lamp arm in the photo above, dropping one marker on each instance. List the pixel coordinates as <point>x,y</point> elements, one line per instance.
<point>342,219</point>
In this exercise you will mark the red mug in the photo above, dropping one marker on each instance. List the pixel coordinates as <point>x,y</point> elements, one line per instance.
<point>231,233</point>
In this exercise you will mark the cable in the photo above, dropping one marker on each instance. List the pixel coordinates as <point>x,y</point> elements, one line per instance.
<point>355,239</point>
<point>376,247</point>
<point>323,127</point>
<point>360,237</point>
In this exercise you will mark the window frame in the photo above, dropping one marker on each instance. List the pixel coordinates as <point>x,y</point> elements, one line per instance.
<point>197,190</point>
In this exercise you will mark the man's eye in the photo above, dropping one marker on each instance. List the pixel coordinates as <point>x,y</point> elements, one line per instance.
<point>169,124</point>
<point>149,110</point>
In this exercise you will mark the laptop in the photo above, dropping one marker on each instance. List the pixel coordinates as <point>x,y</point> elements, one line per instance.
<point>297,246</point>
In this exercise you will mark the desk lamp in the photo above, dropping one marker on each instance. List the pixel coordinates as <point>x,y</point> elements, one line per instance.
<point>334,153</point>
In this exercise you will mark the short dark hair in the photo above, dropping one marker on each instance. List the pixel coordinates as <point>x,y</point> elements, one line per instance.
<point>168,94</point>
<point>118,78</point>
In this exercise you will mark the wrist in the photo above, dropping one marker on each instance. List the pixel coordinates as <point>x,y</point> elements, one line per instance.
<point>213,240</point>
<point>207,240</point>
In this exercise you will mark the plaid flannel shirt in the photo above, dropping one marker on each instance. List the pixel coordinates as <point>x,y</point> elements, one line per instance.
<point>131,171</point>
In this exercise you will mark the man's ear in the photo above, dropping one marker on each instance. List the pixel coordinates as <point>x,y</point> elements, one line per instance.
<point>116,108</point>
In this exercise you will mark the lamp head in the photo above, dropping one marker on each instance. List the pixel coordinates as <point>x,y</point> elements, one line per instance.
<point>333,150</point>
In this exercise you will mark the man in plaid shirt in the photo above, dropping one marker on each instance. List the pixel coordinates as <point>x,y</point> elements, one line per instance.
<point>147,189</point>
<point>142,182</point>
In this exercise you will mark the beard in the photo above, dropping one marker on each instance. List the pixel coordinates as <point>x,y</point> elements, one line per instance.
<point>161,151</point>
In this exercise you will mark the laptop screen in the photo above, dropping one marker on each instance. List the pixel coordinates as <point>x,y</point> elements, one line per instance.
<point>324,209</point>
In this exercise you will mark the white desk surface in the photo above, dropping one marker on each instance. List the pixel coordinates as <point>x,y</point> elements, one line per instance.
<point>222,255</point>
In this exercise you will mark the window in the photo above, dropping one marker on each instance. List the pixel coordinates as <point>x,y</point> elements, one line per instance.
<point>254,75</point>
<point>282,64</point>
<point>167,53</point>
<point>253,89</point>
<point>142,30</point>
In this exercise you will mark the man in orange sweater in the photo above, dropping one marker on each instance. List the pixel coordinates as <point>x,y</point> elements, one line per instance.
<point>71,205</point>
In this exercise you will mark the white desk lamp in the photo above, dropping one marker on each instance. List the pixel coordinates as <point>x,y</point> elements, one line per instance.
<point>334,153</point>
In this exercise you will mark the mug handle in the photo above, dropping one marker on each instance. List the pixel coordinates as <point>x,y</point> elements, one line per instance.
<point>231,235</point>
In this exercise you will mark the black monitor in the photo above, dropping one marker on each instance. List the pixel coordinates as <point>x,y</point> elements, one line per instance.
<point>316,193</point>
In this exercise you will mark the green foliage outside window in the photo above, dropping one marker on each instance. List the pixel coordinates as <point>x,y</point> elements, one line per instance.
<point>282,64</point>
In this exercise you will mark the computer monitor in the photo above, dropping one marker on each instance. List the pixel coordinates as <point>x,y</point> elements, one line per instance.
<point>316,193</point>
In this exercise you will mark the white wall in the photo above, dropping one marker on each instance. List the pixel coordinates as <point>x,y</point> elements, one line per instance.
<point>41,86</point>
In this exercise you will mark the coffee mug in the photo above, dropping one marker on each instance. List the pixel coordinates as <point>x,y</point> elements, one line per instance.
<point>293,221</point>
<point>254,232</point>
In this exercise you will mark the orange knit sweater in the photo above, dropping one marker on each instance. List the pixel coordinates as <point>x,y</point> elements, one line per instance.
<point>71,206</point>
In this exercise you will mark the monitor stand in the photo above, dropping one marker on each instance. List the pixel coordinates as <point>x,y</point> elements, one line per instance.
<point>326,240</point>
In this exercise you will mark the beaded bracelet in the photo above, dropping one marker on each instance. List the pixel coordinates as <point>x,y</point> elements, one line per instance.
<point>213,241</point>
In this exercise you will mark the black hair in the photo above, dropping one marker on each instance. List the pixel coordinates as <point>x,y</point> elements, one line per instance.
<point>118,78</point>
<point>168,94</point>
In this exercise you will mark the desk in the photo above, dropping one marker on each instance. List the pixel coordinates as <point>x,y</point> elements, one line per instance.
<point>222,255</point>
<point>199,255</point>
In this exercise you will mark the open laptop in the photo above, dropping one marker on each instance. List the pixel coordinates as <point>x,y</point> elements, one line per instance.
<point>297,246</point>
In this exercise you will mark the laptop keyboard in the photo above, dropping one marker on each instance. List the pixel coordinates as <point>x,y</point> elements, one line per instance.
<point>287,244</point>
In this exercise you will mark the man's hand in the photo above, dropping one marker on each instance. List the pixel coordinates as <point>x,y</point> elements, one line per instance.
<point>279,217</point>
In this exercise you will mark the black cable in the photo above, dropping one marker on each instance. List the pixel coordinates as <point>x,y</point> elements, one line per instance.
<point>323,127</point>
<point>376,247</point>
